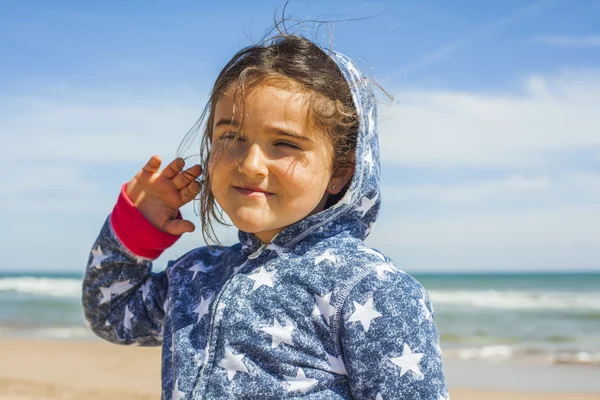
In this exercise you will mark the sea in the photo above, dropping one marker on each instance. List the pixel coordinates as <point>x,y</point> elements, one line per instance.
<point>549,318</point>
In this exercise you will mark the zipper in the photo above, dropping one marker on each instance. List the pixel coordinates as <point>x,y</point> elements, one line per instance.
<point>257,252</point>
<point>212,328</point>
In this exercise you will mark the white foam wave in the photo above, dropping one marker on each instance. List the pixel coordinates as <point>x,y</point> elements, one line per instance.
<point>74,332</point>
<point>517,299</point>
<point>503,353</point>
<point>493,353</point>
<point>56,287</point>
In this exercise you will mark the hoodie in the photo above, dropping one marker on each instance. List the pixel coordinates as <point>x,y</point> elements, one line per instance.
<point>314,314</point>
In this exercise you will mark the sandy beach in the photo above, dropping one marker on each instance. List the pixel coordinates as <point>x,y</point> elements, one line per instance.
<point>53,369</point>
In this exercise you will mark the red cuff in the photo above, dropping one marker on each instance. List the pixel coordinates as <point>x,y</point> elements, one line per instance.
<point>136,232</point>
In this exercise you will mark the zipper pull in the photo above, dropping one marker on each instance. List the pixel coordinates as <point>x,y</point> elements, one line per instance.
<point>257,252</point>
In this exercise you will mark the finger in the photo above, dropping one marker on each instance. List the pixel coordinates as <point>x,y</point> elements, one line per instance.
<point>153,165</point>
<point>190,192</point>
<point>173,168</point>
<point>187,176</point>
<point>178,226</point>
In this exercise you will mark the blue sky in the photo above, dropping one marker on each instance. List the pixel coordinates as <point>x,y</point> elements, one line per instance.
<point>490,147</point>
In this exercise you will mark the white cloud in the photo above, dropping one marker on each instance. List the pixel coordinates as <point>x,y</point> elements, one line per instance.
<point>113,127</point>
<point>510,189</point>
<point>524,130</point>
<point>568,40</point>
<point>553,238</point>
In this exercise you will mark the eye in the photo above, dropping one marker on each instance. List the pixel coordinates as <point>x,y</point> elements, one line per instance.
<point>287,144</point>
<point>230,136</point>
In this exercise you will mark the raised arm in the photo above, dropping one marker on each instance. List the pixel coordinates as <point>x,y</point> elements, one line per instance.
<point>123,300</point>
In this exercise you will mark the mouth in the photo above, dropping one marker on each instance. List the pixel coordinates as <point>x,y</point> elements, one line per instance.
<point>252,191</point>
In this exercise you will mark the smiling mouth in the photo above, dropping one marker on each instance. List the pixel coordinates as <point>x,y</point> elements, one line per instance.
<point>252,191</point>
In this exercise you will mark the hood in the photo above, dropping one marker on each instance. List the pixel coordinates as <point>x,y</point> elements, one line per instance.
<point>357,211</point>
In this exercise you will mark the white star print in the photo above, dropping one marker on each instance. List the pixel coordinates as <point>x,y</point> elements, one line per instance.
<point>275,248</point>
<point>409,361</point>
<point>381,269</point>
<point>106,294</point>
<point>116,288</point>
<point>262,278</point>
<point>121,287</point>
<point>127,319</point>
<point>378,397</point>
<point>336,365</point>
<point>347,199</point>
<point>146,288</point>
<point>327,255</point>
<point>441,397</point>
<point>425,309</point>
<point>366,204</point>
<point>233,363</point>
<point>323,307</point>
<point>198,267</point>
<point>364,313</point>
<point>239,267</point>
<point>177,394</point>
<point>98,257</point>
<point>369,158</point>
<point>280,334</point>
<point>202,308</point>
<point>215,252</point>
<point>371,251</point>
<point>166,305</point>
<point>299,382</point>
<point>200,357</point>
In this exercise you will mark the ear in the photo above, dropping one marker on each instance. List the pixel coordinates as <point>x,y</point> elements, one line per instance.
<point>339,180</point>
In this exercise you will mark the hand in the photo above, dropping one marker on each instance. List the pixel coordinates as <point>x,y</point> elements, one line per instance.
<point>159,195</point>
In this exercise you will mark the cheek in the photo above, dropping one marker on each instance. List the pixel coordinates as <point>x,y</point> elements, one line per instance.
<point>306,178</point>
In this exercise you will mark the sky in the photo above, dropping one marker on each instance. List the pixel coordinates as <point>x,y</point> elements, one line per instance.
<point>490,144</point>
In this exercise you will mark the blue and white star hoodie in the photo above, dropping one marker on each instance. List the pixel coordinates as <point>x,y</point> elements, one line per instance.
<point>315,314</point>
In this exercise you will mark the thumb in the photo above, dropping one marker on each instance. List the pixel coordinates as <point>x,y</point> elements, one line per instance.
<point>178,226</point>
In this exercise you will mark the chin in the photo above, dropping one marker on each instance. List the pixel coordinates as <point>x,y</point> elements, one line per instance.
<point>249,224</point>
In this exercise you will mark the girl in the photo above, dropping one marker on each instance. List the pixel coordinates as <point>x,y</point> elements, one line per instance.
<point>300,307</point>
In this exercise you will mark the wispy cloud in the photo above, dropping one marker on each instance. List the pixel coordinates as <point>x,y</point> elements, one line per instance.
<point>475,36</point>
<point>563,237</point>
<point>568,40</point>
<point>525,129</point>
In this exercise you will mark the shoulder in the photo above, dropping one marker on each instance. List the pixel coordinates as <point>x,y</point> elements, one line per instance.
<point>201,258</point>
<point>389,290</point>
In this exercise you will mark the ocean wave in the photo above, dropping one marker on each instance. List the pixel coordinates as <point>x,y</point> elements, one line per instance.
<point>504,353</point>
<point>517,299</point>
<point>73,332</point>
<point>55,287</point>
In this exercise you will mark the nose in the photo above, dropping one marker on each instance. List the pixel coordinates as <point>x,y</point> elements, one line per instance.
<point>254,162</point>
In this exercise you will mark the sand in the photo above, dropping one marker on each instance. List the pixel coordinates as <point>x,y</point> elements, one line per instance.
<point>44,369</point>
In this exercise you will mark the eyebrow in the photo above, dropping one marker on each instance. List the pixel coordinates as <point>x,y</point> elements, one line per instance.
<point>227,121</point>
<point>291,134</point>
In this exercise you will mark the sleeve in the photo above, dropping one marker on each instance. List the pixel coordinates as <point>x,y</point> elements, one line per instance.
<point>389,341</point>
<point>123,300</point>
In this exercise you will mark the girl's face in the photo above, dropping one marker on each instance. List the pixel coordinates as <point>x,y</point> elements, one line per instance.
<point>276,168</point>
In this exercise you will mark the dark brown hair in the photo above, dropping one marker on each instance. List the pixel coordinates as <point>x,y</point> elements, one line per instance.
<point>291,62</point>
